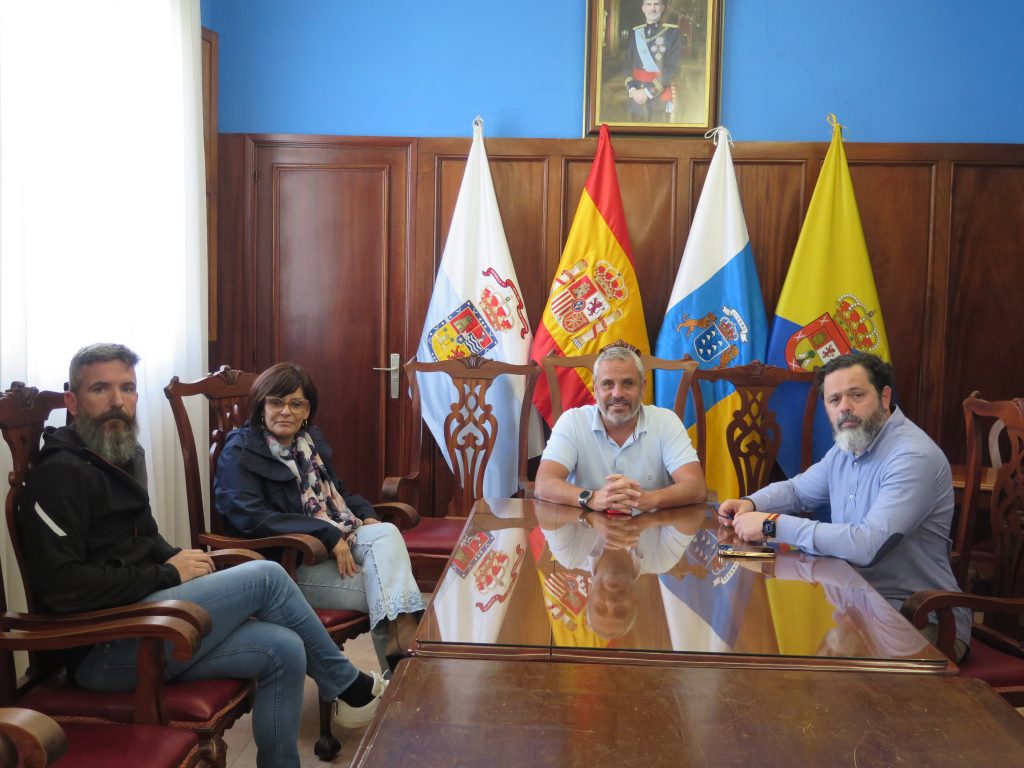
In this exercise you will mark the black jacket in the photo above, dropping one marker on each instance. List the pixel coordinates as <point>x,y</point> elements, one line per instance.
<point>258,496</point>
<point>87,531</point>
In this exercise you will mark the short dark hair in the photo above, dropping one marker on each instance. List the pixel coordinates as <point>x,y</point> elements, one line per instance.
<point>103,352</point>
<point>277,381</point>
<point>879,372</point>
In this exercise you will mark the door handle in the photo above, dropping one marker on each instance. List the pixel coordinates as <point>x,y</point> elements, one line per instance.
<point>394,370</point>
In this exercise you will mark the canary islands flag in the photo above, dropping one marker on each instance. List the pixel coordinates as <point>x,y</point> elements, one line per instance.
<point>477,307</point>
<point>715,313</point>
<point>595,297</point>
<point>828,305</point>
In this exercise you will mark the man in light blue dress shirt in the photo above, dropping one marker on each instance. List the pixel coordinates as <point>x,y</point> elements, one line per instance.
<point>888,484</point>
<point>619,456</point>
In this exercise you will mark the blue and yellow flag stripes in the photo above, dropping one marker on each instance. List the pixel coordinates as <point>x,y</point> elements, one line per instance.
<point>715,313</point>
<point>828,305</point>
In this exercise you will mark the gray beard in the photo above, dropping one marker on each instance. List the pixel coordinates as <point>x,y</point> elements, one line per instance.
<point>619,420</point>
<point>857,440</point>
<point>116,446</point>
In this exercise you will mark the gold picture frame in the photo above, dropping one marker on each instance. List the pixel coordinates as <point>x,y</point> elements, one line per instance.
<point>653,77</point>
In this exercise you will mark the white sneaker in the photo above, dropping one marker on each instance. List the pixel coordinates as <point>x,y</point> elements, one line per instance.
<point>349,717</point>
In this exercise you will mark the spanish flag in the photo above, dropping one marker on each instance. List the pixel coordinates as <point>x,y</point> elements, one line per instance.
<point>828,305</point>
<point>595,297</point>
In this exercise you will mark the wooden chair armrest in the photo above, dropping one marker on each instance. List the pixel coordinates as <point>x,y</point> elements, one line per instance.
<point>194,614</point>
<point>998,640</point>
<point>181,634</point>
<point>919,605</point>
<point>308,546</point>
<point>392,487</point>
<point>402,516</point>
<point>36,738</point>
<point>226,558</point>
<point>291,546</point>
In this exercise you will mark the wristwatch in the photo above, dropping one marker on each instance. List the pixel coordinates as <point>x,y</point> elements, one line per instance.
<point>584,499</point>
<point>768,526</point>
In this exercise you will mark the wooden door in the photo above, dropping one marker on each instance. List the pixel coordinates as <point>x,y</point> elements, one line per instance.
<point>328,286</point>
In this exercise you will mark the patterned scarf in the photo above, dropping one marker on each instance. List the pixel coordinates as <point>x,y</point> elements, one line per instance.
<point>320,499</point>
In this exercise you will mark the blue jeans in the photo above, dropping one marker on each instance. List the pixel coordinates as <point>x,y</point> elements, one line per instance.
<point>384,587</point>
<point>263,629</point>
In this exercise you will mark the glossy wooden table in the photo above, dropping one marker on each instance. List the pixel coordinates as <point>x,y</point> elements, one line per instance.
<point>527,581</point>
<point>495,713</point>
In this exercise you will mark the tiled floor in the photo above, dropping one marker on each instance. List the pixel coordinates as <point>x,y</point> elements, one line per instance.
<point>242,750</point>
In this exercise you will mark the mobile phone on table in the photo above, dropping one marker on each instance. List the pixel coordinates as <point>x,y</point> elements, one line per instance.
<point>745,550</point>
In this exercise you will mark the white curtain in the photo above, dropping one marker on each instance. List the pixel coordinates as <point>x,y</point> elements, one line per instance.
<point>102,209</point>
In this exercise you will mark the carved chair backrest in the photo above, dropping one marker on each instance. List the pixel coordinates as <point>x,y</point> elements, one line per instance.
<point>470,427</point>
<point>23,415</point>
<point>227,391</point>
<point>753,434</point>
<point>1006,505</point>
<point>556,367</point>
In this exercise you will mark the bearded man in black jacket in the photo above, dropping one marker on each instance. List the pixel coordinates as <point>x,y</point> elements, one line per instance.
<point>91,542</point>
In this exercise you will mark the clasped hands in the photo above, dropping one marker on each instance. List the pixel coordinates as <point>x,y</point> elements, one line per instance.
<point>615,502</point>
<point>739,514</point>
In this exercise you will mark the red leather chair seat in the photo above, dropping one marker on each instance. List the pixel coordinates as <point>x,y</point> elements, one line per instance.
<point>126,746</point>
<point>190,704</point>
<point>998,669</point>
<point>336,619</point>
<point>434,535</point>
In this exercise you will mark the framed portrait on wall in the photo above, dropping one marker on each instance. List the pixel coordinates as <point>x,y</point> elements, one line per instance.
<point>653,66</point>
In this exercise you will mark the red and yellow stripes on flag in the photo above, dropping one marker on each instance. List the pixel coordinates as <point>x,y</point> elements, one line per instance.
<point>595,297</point>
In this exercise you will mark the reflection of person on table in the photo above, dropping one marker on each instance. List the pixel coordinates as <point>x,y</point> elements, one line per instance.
<point>652,65</point>
<point>889,486</point>
<point>650,543</point>
<point>619,455</point>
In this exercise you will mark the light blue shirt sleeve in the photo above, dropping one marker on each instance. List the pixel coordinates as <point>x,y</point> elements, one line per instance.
<point>562,444</point>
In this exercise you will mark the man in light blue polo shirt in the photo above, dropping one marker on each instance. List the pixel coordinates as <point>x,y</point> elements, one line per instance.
<point>888,485</point>
<point>619,455</point>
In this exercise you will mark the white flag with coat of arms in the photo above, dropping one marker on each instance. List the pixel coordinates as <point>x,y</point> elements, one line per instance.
<point>477,307</point>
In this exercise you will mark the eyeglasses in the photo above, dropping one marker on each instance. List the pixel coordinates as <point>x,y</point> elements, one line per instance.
<point>276,405</point>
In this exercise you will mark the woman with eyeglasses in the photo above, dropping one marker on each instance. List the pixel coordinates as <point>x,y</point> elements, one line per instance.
<point>274,476</point>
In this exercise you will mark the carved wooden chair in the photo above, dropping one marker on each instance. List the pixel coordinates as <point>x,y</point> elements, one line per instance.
<point>227,392</point>
<point>34,740</point>
<point>753,434</point>
<point>997,643</point>
<point>554,363</point>
<point>207,707</point>
<point>972,485</point>
<point>471,432</point>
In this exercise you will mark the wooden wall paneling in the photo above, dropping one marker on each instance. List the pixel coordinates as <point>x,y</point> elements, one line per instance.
<point>208,47</point>
<point>233,275</point>
<point>985,342</point>
<point>894,200</point>
<point>650,190</point>
<point>943,224</point>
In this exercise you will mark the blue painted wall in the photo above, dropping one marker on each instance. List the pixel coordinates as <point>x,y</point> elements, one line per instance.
<point>892,70</point>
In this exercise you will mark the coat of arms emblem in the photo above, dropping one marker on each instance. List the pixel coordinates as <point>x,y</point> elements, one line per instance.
<point>825,337</point>
<point>473,327</point>
<point>719,337</point>
<point>586,303</point>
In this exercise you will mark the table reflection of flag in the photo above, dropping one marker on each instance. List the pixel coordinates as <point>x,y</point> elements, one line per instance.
<point>716,590</point>
<point>565,597</point>
<point>801,614</point>
<point>472,599</point>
